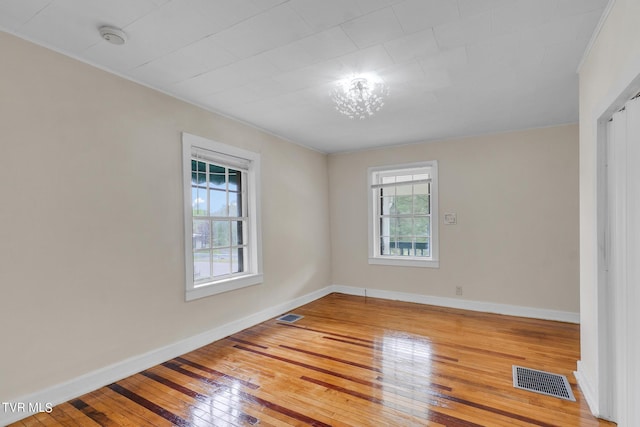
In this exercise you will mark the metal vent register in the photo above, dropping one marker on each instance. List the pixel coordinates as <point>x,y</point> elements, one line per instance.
<point>542,382</point>
<point>289,318</point>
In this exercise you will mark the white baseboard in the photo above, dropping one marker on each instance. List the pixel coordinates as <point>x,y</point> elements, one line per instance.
<point>487,307</point>
<point>588,390</point>
<point>94,380</point>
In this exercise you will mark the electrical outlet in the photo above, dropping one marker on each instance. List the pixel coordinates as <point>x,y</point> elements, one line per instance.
<point>458,290</point>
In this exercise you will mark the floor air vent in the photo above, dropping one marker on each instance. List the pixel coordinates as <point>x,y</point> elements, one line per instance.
<point>542,382</point>
<point>289,318</point>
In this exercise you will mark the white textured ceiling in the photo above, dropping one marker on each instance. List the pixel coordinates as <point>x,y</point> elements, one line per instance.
<point>453,67</point>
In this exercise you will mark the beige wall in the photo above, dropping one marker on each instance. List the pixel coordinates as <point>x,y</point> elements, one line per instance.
<point>611,64</point>
<point>516,197</point>
<point>91,232</point>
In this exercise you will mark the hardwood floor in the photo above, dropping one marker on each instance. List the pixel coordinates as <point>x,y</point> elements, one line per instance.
<point>351,361</point>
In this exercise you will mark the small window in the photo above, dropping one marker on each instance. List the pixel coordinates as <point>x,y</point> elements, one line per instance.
<point>403,215</point>
<point>222,238</point>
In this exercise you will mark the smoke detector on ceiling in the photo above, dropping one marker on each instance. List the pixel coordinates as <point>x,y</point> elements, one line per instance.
<point>113,35</point>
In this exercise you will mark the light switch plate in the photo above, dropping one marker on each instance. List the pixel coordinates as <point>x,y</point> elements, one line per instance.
<point>450,219</point>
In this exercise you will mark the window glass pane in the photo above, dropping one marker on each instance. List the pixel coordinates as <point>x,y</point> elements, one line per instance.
<point>404,205</point>
<point>422,246</point>
<point>405,226</point>
<point>388,226</point>
<point>201,234</point>
<point>202,167</point>
<point>404,190</point>
<point>202,179</point>
<point>395,246</point>
<point>221,262</point>
<point>421,204</point>
<point>388,205</point>
<point>237,233</point>
<point>200,205</point>
<point>385,246</point>
<point>388,180</point>
<point>420,177</point>
<point>221,233</point>
<point>237,260</point>
<point>394,227</point>
<point>235,178</point>
<point>218,200</point>
<point>194,179</point>
<point>198,201</point>
<point>235,204</point>
<point>194,165</point>
<point>388,191</point>
<point>421,226</point>
<point>405,244</point>
<point>201,265</point>
<point>404,178</point>
<point>195,208</point>
<point>390,246</point>
<point>383,227</point>
<point>421,189</point>
<point>216,177</point>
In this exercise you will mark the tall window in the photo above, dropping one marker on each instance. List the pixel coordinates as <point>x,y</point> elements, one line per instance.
<point>403,215</point>
<point>222,250</point>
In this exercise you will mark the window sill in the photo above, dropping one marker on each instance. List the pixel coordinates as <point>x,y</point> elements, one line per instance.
<point>221,286</point>
<point>403,262</point>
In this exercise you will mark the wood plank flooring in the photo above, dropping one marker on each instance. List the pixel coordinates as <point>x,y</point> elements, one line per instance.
<point>351,361</point>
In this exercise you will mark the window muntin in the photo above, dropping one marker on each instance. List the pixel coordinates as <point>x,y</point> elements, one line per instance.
<point>222,217</point>
<point>403,215</point>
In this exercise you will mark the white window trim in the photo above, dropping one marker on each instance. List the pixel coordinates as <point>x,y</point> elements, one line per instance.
<point>434,261</point>
<point>251,160</point>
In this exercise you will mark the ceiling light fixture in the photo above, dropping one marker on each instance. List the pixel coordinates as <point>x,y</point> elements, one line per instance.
<point>113,35</point>
<point>359,97</point>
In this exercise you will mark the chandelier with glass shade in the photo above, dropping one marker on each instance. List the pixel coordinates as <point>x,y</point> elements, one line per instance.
<point>359,97</point>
